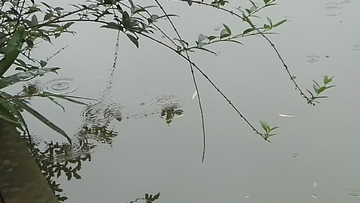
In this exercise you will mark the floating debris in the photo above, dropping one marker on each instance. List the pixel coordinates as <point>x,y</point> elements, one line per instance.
<point>286,115</point>
<point>194,95</point>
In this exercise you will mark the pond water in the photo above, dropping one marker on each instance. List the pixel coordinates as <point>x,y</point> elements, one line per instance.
<point>154,142</point>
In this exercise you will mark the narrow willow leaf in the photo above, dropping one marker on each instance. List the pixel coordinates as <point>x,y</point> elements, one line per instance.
<point>321,89</point>
<point>34,20</point>
<point>202,37</point>
<point>248,30</point>
<point>5,114</point>
<point>317,84</point>
<point>24,76</point>
<point>57,103</point>
<point>15,111</point>
<point>230,40</point>
<point>208,50</point>
<point>211,38</point>
<point>224,33</point>
<point>264,125</point>
<point>269,20</point>
<point>66,97</point>
<point>316,89</point>
<point>133,40</point>
<point>157,196</point>
<point>12,50</point>
<point>114,26</point>
<point>279,23</point>
<point>43,119</point>
<point>227,29</point>
<point>67,25</point>
<point>274,128</point>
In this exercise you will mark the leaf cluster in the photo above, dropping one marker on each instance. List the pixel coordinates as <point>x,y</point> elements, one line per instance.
<point>319,89</point>
<point>267,130</point>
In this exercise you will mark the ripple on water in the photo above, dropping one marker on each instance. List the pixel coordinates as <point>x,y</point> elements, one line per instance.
<point>60,86</point>
<point>356,47</point>
<point>101,113</point>
<point>332,9</point>
<point>312,58</point>
<point>354,192</point>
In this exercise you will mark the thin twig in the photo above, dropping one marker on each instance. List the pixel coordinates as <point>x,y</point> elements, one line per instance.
<point>193,78</point>
<point>292,78</point>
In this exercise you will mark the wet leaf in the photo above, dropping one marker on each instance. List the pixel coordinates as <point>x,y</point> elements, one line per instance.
<point>133,40</point>
<point>211,38</point>
<point>12,50</point>
<point>279,23</point>
<point>43,119</point>
<point>321,89</point>
<point>34,20</point>
<point>224,33</point>
<point>202,37</point>
<point>57,103</point>
<point>248,30</point>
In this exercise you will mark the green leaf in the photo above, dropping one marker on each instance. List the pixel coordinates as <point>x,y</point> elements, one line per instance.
<point>266,1</point>
<point>133,40</point>
<point>67,25</point>
<point>316,88</point>
<point>227,29</point>
<point>43,63</point>
<point>114,26</point>
<point>211,38</point>
<point>279,23</point>
<point>265,126</point>
<point>202,37</point>
<point>208,50</point>
<point>42,119</point>
<point>224,33</point>
<point>248,30</point>
<point>321,89</point>
<point>12,49</point>
<point>156,196</point>
<point>57,103</point>
<point>229,40</point>
<point>34,20</point>
<point>5,114</point>
<point>269,20</point>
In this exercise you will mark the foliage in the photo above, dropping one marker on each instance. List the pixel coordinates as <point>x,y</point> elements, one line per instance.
<point>57,159</point>
<point>24,24</point>
<point>320,89</point>
<point>267,130</point>
<point>148,198</point>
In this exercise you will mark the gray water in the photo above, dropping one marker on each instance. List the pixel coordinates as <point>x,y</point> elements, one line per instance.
<point>313,158</point>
